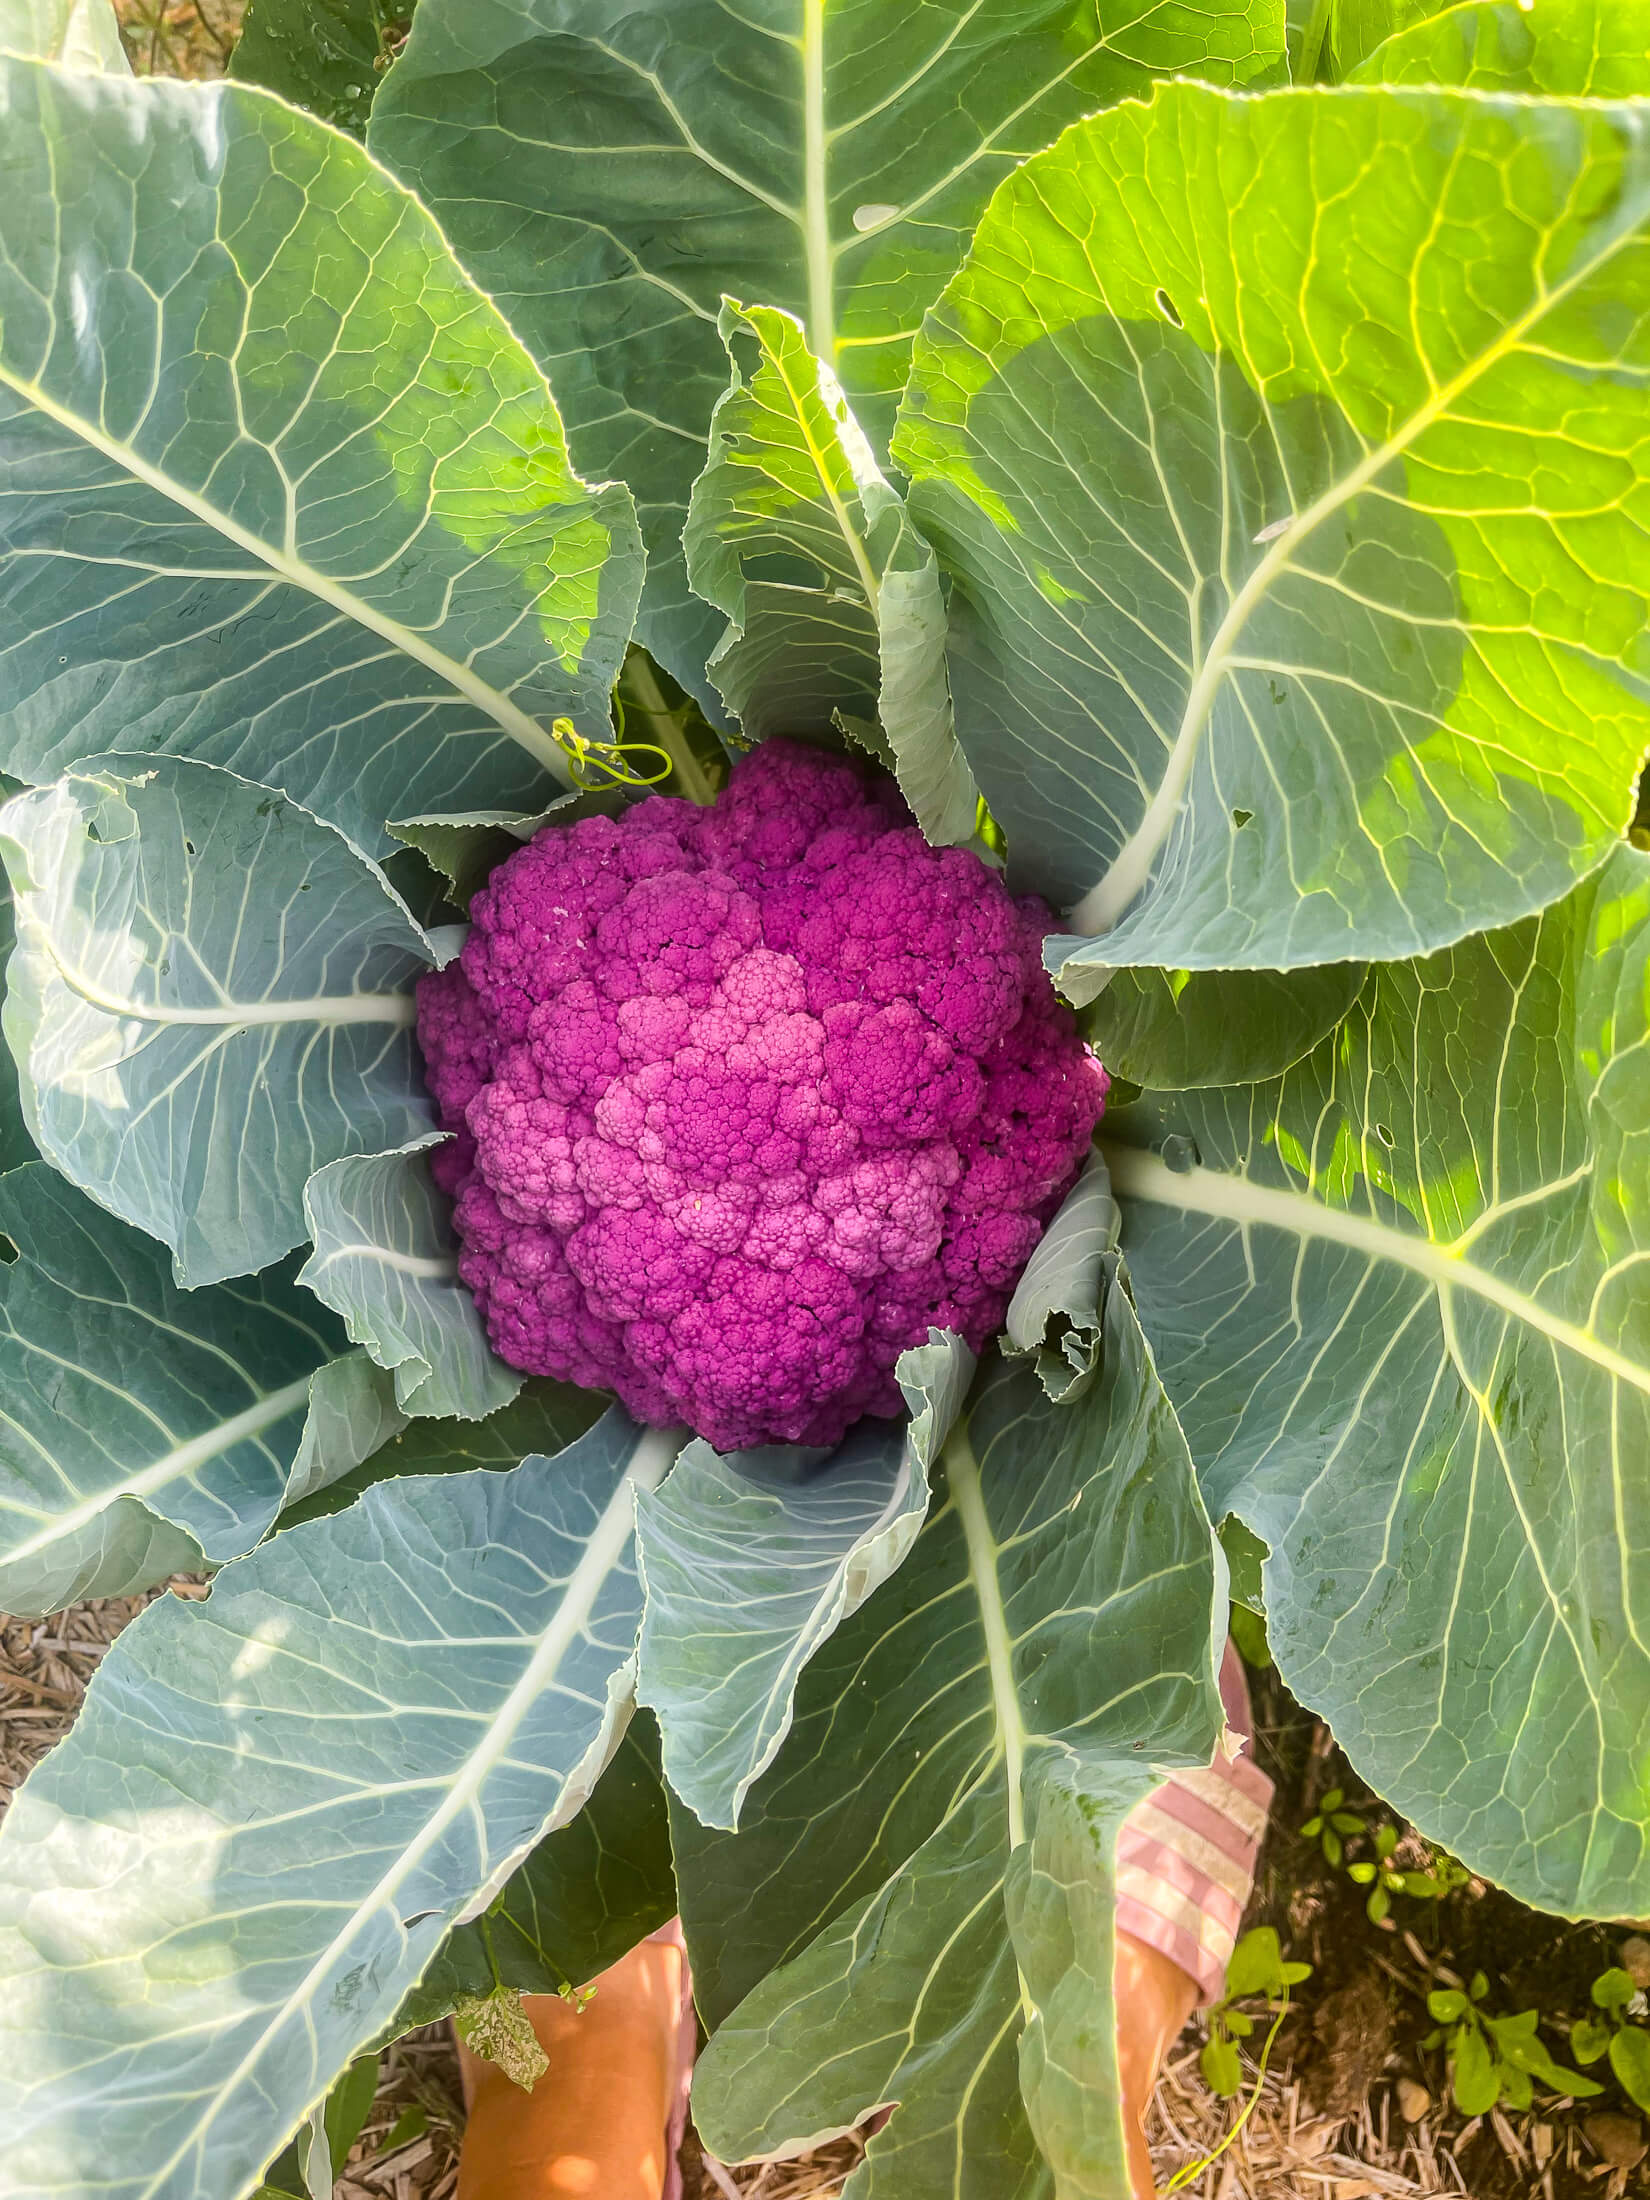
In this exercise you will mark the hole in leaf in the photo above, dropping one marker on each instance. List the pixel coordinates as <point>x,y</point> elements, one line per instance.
<point>1383,1134</point>
<point>1240,818</point>
<point>190,846</point>
<point>1166,306</point>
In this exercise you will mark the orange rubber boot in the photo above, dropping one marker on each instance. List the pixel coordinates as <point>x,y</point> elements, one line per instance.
<point>602,2122</point>
<point>1155,1999</point>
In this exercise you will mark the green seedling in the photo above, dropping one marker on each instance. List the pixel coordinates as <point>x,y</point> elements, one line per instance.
<point>1440,1876</point>
<point>1257,1968</point>
<point>1331,1826</point>
<point>1613,2033</point>
<point>1493,2059</point>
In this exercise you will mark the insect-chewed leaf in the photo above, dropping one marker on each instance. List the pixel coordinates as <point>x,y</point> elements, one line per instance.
<point>281,489</point>
<point>1299,600</point>
<point>611,171</point>
<point>856,627</point>
<point>211,995</point>
<point>1401,1297</point>
<point>144,1426</point>
<point>219,1918</point>
<point>1592,49</point>
<point>748,1573</point>
<point>386,1259</point>
<point>918,1907</point>
<point>1055,1311</point>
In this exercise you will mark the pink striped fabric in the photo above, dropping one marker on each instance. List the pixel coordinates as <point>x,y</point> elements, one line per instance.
<point>1186,1855</point>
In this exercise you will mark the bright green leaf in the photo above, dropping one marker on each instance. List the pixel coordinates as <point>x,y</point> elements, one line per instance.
<point>184,1867</point>
<point>385,1259</point>
<point>749,1570</point>
<point>1630,2060</point>
<point>928,1861</point>
<point>1474,2079</point>
<point>1613,1989</point>
<point>1386,1282</point>
<point>211,996</point>
<point>1222,2068</point>
<point>1597,49</point>
<point>286,494</point>
<point>1299,611</point>
<point>1589,2040</point>
<point>608,172</point>
<point>144,1427</point>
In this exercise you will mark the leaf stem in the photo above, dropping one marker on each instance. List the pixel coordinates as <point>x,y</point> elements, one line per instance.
<point>1312,38</point>
<point>642,696</point>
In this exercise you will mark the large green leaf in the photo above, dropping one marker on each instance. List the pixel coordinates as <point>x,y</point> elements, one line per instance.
<point>586,1895</point>
<point>1286,453</point>
<point>608,170</point>
<point>81,34</point>
<point>211,996</point>
<point>326,56</point>
<point>833,597</point>
<point>1597,49</point>
<point>1401,1298</point>
<point>281,489</point>
<point>748,1573</point>
<point>204,1914</point>
<point>386,1259</point>
<point>144,1426</point>
<point>1174,1028</point>
<point>929,1861</point>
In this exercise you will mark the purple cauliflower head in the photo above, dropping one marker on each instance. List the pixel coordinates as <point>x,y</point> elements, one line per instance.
<point>745,1099</point>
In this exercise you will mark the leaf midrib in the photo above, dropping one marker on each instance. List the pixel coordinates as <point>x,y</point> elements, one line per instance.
<point>181,1462</point>
<point>605,1547</point>
<point>298,573</point>
<point>1230,1198</point>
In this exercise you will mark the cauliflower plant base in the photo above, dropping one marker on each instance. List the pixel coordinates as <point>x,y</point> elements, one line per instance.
<point>746,1099</point>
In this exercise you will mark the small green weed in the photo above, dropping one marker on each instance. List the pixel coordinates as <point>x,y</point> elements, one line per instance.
<point>1494,2058</point>
<point>1613,2033</point>
<point>1257,1968</point>
<point>1333,1825</point>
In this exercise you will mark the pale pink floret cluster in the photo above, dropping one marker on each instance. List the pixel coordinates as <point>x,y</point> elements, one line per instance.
<point>747,1098</point>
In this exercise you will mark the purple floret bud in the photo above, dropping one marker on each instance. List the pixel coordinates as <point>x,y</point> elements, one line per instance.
<point>747,1099</point>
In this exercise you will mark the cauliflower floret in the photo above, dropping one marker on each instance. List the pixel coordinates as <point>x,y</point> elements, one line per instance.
<point>746,1099</point>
